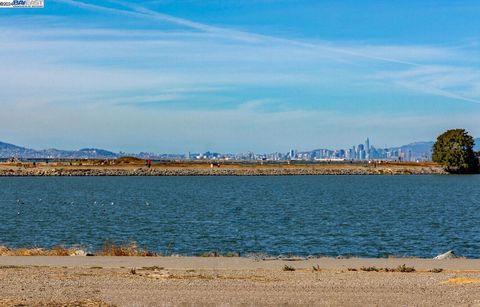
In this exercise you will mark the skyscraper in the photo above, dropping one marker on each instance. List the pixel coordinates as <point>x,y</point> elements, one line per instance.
<point>367,148</point>
<point>292,154</point>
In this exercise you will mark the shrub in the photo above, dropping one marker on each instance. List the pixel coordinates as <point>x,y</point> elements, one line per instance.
<point>288,268</point>
<point>405,269</point>
<point>153,268</point>
<point>369,269</point>
<point>454,150</point>
<point>36,251</point>
<point>131,249</point>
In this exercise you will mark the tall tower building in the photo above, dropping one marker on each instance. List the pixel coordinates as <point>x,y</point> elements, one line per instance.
<point>367,148</point>
<point>293,154</point>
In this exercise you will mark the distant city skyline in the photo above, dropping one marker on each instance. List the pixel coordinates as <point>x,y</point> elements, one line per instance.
<point>416,151</point>
<point>232,76</point>
<point>143,148</point>
<point>361,152</point>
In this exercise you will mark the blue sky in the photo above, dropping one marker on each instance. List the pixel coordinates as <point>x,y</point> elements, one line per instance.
<point>235,76</point>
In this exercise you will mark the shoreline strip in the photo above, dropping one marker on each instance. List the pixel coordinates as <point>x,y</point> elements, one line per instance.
<point>238,263</point>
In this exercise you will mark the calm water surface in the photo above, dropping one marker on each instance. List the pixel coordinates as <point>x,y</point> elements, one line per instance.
<point>368,216</point>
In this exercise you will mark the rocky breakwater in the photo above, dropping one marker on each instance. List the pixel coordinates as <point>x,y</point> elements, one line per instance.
<point>245,171</point>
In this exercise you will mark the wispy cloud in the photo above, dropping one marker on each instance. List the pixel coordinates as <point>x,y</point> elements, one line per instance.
<point>458,83</point>
<point>141,11</point>
<point>404,55</point>
<point>235,90</point>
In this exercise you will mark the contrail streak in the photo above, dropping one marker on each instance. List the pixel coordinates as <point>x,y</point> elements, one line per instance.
<point>142,12</point>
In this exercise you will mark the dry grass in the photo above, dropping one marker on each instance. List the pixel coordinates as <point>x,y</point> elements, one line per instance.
<point>288,268</point>
<point>131,249</point>
<point>153,268</point>
<point>129,160</point>
<point>109,249</point>
<point>400,269</point>
<point>436,270</point>
<point>462,281</point>
<point>35,251</point>
<point>255,278</point>
<point>201,276</point>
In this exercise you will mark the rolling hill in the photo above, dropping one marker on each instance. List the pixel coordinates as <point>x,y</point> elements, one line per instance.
<point>10,150</point>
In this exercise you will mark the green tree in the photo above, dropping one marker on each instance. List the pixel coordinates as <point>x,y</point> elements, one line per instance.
<point>454,150</point>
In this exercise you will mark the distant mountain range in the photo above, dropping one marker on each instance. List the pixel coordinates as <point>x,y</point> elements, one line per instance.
<point>418,148</point>
<point>10,150</point>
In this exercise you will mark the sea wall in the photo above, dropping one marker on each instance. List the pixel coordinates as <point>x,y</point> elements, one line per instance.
<point>408,170</point>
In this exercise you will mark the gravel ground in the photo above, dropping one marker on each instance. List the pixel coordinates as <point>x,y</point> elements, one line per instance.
<point>157,286</point>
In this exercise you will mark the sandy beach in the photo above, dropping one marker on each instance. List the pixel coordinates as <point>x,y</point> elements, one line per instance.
<point>136,167</point>
<point>221,281</point>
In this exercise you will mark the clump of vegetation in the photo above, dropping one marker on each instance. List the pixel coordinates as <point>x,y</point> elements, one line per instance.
<point>288,268</point>
<point>436,270</point>
<point>10,267</point>
<point>36,251</point>
<point>369,269</point>
<point>352,270</point>
<point>109,249</point>
<point>404,269</point>
<point>128,160</point>
<point>316,268</point>
<point>153,268</point>
<point>131,249</point>
<point>454,150</point>
<point>400,269</point>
